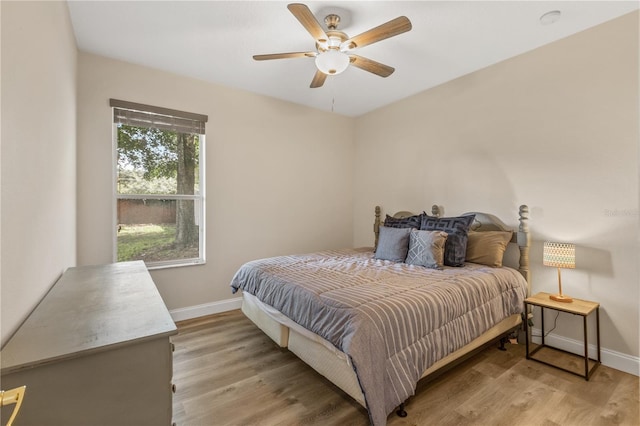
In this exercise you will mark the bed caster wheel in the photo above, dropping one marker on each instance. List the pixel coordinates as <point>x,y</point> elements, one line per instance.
<point>401,411</point>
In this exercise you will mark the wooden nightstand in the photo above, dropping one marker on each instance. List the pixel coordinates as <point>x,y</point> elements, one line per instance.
<point>578,307</point>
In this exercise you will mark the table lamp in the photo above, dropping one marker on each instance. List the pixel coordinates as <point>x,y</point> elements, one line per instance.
<point>560,255</point>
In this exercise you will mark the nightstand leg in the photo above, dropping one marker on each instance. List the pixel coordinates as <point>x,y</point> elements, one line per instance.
<point>598,330</point>
<point>586,349</point>
<point>542,323</point>
<point>526,329</point>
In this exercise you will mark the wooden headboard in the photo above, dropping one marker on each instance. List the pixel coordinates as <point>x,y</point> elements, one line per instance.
<point>483,222</point>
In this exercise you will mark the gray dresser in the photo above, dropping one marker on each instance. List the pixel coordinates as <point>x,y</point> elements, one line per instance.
<point>95,351</point>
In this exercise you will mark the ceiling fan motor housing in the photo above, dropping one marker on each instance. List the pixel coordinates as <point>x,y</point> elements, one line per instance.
<point>335,40</point>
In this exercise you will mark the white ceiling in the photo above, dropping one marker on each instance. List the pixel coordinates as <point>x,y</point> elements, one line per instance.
<point>215,41</point>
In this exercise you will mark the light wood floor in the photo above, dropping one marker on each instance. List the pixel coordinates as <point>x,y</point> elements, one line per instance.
<point>227,372</point>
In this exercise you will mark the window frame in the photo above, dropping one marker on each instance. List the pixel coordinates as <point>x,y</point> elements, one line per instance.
<point>198,199</point>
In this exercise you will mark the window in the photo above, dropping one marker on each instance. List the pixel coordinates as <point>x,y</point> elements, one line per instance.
<point>159,185</point>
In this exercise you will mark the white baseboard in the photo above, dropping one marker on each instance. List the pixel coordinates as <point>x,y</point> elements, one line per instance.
<point>190,312</point>
<point>623,362</point>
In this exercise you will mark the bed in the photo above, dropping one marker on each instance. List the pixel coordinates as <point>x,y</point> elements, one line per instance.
<point>374,325</point>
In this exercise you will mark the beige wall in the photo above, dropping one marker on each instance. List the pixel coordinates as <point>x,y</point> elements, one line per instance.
<point>38,154</point>
<point>276,182</point>
<point>555,128</point>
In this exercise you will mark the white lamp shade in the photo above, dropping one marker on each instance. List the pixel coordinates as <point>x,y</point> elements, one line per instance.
<point>560,255</point>
<point>332,62</point>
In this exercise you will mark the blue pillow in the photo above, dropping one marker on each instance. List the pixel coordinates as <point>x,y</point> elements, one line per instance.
<point>393,244</point>
<point>457,229</point>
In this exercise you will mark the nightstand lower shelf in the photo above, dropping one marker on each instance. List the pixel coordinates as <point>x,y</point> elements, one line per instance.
<point>548,355</point>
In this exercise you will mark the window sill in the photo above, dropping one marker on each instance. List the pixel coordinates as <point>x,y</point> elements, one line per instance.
<point>174,264</point>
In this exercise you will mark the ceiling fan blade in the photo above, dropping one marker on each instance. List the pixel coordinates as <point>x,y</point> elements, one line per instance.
<point>392,28</point>
<point>285,55</point>
<point>372,66</point>
<point>318,79</point>
<point>306,18</point>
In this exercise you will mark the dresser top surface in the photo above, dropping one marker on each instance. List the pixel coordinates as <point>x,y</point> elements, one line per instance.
<point>90,309</point>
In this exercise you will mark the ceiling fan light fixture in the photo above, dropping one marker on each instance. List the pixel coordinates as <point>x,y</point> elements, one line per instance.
<point>332,62</point>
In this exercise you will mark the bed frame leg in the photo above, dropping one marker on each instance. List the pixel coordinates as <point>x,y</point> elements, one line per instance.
<point>401,411</point>
<point>503,340</point>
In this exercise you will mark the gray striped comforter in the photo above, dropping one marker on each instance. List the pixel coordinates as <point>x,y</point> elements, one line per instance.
<point>394,320</point>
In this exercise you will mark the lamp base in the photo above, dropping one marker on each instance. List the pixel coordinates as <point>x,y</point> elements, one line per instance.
<point>560,298</point>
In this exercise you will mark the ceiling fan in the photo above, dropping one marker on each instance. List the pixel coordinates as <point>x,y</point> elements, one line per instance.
<point>333,48</point>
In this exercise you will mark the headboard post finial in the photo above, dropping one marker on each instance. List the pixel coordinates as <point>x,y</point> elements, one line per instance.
<point>524,218</point>
<point>376,226</point>
<point>524,242</point>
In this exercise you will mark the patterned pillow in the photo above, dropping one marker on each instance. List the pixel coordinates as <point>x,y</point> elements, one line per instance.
<point>457,227</point>
<point>426,248</point>
<point>405,222</point>
<point>393,244</point>
<point>487,248</point>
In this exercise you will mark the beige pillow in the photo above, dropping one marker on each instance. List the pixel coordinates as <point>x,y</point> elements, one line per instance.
<point>487,248</point>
